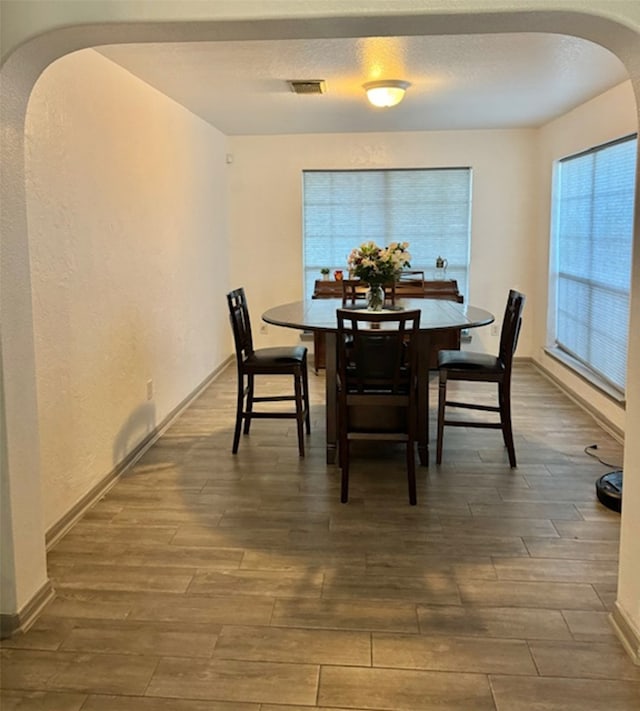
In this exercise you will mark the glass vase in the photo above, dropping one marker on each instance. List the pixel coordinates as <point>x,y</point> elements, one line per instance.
<point>375,297</point>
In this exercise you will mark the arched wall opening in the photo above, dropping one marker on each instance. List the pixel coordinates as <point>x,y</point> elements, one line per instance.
<point>24,582</point>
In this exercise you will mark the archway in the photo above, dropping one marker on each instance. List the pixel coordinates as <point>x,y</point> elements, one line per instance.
<point>24,578</point>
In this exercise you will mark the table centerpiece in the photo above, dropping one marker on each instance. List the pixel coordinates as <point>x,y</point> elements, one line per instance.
<point>378,266</point>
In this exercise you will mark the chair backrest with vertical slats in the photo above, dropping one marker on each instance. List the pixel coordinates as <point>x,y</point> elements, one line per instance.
<point>240,323</point>
<point>353,290</point>
<point>511,324</point>
<point>377,351</point>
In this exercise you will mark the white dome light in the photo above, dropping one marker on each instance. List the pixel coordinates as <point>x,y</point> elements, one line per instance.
<point>386,93</point>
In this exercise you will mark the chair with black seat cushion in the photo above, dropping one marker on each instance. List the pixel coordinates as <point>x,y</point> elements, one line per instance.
<point>483,367</point>
<point>377,381</point>
<point>287,360</point>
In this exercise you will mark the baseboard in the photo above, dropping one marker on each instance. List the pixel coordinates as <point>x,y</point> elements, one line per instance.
<point>24,618</point>
<point>10,624</point>
<point>626,632</point>
<point>585,405</point>
<point>58,529</point>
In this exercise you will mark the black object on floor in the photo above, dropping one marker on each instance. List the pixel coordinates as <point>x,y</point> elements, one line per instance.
<point>609,490</point>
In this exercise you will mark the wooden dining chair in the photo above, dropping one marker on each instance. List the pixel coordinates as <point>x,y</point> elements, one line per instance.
<point>355,290</point>
<point>287,360</point>
<point>483,367</point>
<point>377,383</point>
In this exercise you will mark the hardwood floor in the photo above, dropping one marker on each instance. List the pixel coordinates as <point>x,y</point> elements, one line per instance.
<point>205,581</point>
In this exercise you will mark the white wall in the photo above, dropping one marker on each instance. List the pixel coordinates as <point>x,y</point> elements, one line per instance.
<point>606,117</point>
<point>609,116</point>
<point>266,198</point>
<point>127,215</point>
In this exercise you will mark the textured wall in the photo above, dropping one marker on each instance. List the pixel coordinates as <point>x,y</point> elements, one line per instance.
<point>127,227</point>
<point>512,173</point>
<point>266,198</point>
<point>605,118</point>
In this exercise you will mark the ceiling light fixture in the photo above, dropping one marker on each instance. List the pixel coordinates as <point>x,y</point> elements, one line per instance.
<point>385,93</point>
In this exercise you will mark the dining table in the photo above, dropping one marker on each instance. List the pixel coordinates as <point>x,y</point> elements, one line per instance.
<point>436,315</point>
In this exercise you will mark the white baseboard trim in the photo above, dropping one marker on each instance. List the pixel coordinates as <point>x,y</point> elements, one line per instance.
<point>585,405</point>
<point>19,622</point>
<point>627,633</point>
<point>58,529</point>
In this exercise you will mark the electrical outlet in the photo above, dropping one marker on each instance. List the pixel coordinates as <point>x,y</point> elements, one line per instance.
<point>495,329</point>
<point>149,389</point>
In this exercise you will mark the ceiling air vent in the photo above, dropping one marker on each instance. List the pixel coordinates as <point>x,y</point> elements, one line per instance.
<point>307,86</point>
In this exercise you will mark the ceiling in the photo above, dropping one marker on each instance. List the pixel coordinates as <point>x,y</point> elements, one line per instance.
<point>457,81</point>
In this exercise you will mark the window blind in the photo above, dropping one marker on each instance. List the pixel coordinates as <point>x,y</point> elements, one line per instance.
<point>429,208</point>
<point>594,207</point>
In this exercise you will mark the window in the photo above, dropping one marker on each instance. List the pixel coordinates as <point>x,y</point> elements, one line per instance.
<point>592,234</point>
<point>429,208</point>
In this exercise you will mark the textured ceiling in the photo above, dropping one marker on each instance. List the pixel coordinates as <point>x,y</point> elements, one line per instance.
<point>457,82</point>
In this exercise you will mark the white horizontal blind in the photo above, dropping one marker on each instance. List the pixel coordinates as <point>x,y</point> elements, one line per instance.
<point>594,203</point>
<point>429,208</point>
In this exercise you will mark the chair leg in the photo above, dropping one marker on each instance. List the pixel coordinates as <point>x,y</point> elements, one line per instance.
<point>342,446</point>
<point>504,399</point>
<point>249,406</point>
<point>317,347</point>
<point>343,456</point>
<point>300,415</point>
<point>239,408</point>
<point>305,392</point>
<point>442,398</point>
<point>411,470</point>
<point>344,461</point>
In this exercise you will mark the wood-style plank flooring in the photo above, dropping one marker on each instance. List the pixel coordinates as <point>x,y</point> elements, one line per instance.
<point>205,581</point>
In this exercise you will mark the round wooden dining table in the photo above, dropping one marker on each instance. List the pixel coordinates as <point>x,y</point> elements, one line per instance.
<point>436,315</point>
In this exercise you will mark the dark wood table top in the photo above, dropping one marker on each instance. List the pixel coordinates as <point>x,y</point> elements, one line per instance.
<point>435,314</point>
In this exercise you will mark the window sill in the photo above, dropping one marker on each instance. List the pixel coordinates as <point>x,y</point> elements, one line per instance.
<point>587,375</point>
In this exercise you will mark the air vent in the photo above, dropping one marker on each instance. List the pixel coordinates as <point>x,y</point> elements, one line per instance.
<point>307,86</point>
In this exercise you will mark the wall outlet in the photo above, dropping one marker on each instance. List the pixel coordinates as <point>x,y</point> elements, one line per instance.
<point>149,389</point>
<point>495,329</point>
